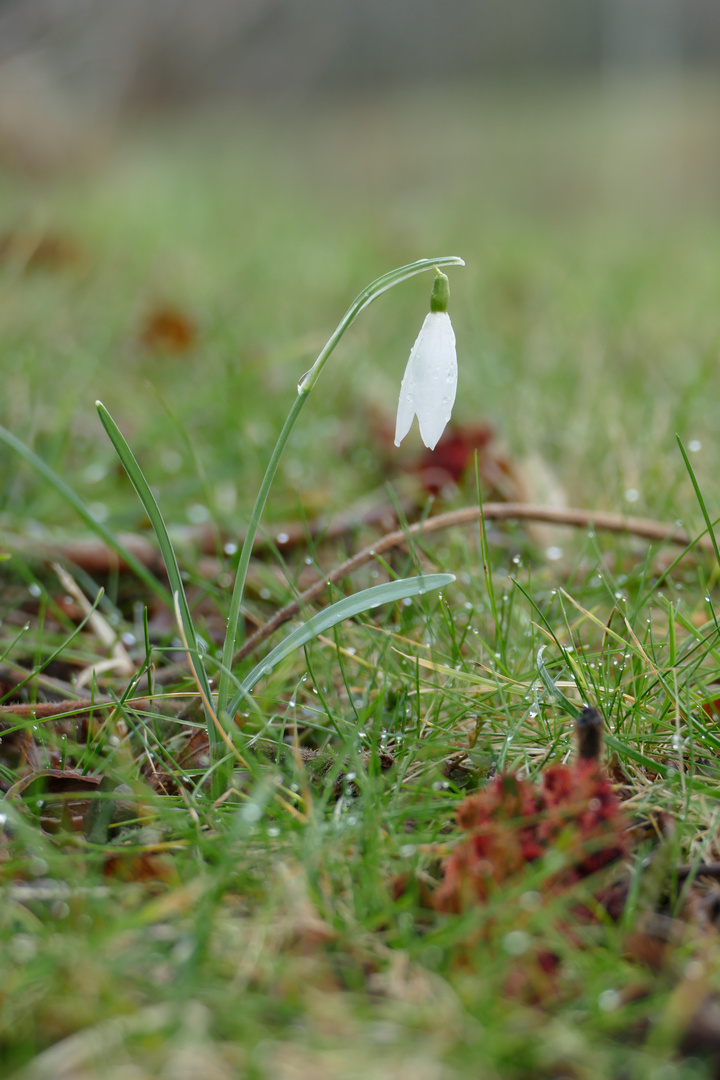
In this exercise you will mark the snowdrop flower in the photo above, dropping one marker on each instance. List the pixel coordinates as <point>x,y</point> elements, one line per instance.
<point>430,381</point>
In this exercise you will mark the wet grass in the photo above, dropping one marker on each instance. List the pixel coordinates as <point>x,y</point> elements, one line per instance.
<point>286,930</point>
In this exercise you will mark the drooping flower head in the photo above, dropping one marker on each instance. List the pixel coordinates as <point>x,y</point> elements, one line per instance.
<point>430,381</point>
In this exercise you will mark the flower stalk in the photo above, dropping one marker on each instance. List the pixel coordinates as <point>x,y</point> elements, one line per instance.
<point>361,301</point>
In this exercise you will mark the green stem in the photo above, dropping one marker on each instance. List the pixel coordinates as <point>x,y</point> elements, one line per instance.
<point>245,555</point>
<point>361,301</point>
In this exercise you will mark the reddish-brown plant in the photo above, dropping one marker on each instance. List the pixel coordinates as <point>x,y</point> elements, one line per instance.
<point>514,822</point>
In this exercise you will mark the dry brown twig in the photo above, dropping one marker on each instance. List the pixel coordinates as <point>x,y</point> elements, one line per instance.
<point>579,519</point>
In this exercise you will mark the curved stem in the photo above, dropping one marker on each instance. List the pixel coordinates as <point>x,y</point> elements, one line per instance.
<point>361,301</point>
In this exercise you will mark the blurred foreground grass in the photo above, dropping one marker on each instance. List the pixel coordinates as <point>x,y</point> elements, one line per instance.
<point>252,941</point>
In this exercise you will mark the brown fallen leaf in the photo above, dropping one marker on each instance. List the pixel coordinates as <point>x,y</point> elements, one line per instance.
<point>51,251</point>
<point>168,329</point>
<point>143,866</point>
<point>454,457</point>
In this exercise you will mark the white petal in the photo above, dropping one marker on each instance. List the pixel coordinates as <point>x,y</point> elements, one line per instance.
<point>406,403</point>
<point>430,382</point>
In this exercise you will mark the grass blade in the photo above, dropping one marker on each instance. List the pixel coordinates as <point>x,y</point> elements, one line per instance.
<point>701,501</point>
<point>552,689</point>
<point>149,502</point>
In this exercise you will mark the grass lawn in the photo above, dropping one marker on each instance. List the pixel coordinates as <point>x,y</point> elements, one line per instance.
<point>289,923</point>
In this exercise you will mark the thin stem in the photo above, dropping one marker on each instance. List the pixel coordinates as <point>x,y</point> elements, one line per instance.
<point>366,297</point>
<point>361,301</point>
<point>246,553</point>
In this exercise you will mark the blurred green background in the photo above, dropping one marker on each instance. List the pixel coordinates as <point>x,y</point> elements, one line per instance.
<point>247,171</point>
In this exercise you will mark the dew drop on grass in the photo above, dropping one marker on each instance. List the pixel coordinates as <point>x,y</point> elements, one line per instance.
<point>282,538</point>
<point>98,511</point>
<point>516,942</point>
<point>251,813</point>
<point>171,461</point>
<point>197,513</point>
<point>530,900</point>
<point>609,1000</point>
<point>94,473</point>
<point>230,548</point>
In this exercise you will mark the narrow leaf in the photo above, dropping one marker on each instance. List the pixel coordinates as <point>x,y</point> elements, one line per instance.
<point>336,613</point>
<point>167,551</point>
<point>699,497</point>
